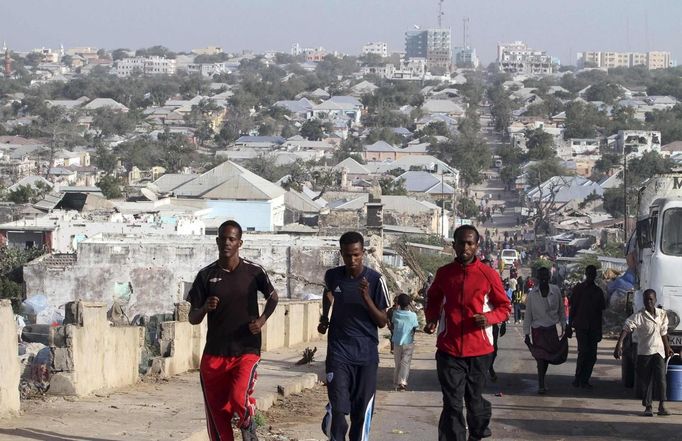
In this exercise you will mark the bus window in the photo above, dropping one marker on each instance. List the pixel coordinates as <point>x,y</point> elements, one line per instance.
<point>643,234</point>
<point>671,239</point>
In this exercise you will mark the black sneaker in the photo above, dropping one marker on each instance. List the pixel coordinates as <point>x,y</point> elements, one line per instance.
<point>249,433</point>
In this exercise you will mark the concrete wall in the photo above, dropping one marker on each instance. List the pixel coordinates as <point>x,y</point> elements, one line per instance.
<point>159,270</point>
<point>182,345</point>
<point>274,331</point>
<point>90,355</point>
<point>301,320</point>
<point>9,361</point>
<point>292,323</point>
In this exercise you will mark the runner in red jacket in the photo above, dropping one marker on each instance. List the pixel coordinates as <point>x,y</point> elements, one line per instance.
<point>464,300</point>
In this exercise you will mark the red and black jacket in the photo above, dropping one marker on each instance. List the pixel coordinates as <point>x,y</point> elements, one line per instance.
<point>456,294</point>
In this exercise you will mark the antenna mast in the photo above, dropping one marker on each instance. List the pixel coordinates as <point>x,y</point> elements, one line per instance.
<point>440,13</point>
<point>465,31</point>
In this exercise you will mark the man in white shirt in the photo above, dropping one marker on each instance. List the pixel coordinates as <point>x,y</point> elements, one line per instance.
<point>650,325</point>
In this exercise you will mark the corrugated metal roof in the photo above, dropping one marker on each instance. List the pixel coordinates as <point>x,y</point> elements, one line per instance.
<point>230,181</point>
<point>171,181</point>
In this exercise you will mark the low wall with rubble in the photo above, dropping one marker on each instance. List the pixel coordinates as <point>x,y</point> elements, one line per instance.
<point>90,355</point>
<point>9,362</point>
<point>181,344</point>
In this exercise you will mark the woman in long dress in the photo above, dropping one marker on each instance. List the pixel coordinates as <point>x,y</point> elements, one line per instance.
<point>544,311</point>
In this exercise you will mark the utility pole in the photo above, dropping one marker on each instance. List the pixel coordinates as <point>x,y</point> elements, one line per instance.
<point>625,195</point>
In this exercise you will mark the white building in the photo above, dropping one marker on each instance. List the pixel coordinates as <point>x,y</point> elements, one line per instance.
<point>637,142</point>
<point>385,71</point>
<point>209,69</point>
<point>210,50</point>
<point>609,60</point>
<point>376,47</point>
<point>518,58</point>
<point>145,65</point>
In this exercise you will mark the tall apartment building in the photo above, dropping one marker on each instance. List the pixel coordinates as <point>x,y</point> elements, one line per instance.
<point>145,65</point>
<point>609,60</point>
<point>376,47</point>
<point>465,57</point>
<point>434,45</point>
<point>518,58</point>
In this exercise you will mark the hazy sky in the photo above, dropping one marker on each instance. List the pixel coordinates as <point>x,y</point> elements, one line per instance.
<point>562,28</point>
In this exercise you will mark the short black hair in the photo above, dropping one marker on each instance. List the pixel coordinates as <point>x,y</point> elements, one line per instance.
<point>351,237</point>
<point>647,291</point>
<point>404,300</point>
<point>543,269</point>
<point>230,223</point>
<point>591,271</point>
<point>466,228</point>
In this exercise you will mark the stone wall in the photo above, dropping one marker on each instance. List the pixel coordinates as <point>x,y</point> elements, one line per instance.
<point>149,275</point>
<point>9,362</point>
<point>89,355</point>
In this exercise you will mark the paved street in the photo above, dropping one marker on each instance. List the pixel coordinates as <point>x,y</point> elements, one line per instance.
<point>606,413</point>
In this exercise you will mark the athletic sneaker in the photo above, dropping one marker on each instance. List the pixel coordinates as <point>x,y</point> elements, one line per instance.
<point>249,433</point>
<point>327,420</point>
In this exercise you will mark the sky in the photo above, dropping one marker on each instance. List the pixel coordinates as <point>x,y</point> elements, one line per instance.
<point>561,28</point>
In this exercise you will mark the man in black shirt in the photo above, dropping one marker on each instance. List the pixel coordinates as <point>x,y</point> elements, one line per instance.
<point>587,304</point>
<point>227,291</point>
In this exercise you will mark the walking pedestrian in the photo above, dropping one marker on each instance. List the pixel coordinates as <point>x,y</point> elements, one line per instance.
<point>389,317</point>
<point>586,306</point>
<point>650,326</point>
<point>227,292</point>
<point>404,325</point>
<point>360,299</point>
<point>468,297</point>
<point>544,311</point>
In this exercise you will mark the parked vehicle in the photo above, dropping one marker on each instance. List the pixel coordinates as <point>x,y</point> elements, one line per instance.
<point>509,257</point>
<point>656,250</point>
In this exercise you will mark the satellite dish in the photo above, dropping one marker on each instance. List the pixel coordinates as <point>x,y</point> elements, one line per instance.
<point>149,194</point>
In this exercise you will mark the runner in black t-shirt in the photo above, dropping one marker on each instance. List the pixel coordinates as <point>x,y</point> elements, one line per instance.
<point>227,290</point>
<point>360,300</point>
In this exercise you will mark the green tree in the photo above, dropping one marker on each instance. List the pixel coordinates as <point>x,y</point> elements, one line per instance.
<point>540,144</point>
<point>467,208</point>
<point>110,186</point>
<point>119,54</point>
<point>21,195</point>
<point>604,91</point>
<point>312,130</point>
<point>582,120</point>
<point>11,276</point>
<point>105,160</point>
<point>350,147</point>
<point>156,51</point>
<point>668,122</point>
<point>384,134</point>
<point>392,186</point>
<point>109,122</point>
<point>614,201</point>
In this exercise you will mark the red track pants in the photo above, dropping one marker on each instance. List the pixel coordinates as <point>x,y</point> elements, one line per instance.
<point>228,383</point>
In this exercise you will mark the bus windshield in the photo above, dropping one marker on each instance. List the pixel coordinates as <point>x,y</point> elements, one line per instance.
<point>671,237</point>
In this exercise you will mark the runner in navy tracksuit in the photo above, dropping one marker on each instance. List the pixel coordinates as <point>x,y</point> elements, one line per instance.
<point>360,300</point>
